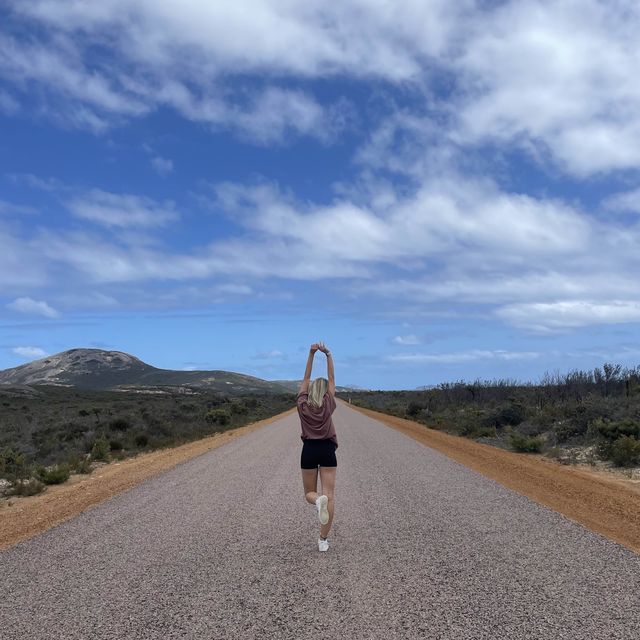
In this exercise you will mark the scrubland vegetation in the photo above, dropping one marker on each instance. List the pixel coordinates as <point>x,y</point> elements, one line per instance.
<point>47,434</point>
<point>581,415</point>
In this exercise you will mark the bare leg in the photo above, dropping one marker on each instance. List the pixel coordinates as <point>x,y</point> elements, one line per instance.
<point>328,480</point>
<point>310,483</point>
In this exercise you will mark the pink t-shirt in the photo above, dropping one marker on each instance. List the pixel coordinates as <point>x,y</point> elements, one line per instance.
<point>316,423</point>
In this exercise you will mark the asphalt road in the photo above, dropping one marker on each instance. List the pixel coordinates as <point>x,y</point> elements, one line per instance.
<point>224,546</point>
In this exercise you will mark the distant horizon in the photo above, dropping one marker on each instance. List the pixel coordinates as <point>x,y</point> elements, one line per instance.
<point>339,384</point>
<point>437,194</point>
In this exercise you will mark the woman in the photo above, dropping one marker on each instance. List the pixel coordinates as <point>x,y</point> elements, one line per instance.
<point>316,402</point>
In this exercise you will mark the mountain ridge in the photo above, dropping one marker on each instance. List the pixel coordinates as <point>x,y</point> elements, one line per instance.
<point>86,368</point>
<point>90,368</point>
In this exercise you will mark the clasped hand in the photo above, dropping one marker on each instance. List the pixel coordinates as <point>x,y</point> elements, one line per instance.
<point>319,346</point>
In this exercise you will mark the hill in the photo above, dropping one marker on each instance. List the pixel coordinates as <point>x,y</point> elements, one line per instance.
<point>99,369</point>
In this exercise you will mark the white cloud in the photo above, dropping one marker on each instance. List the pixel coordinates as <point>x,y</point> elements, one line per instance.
<point>121,210</point>
<point>33,307</point>
<point>30,353</point>
<point>162,166</point>
<point>569,314</point>
<point>440,217</point>
<point>20,265</point>
<point>89,98</point>
<point>555,76</point>
<point>406,340</point>
<point>10,207</point>
<point>87,300</point>
<point>8,104</point>
<point>625,202</point>
<point>315,38</point>
<point>35,182</point>
<point>464,356</point>
<point>64,70</point>
<point>267,355</point>
<point>237,289</point>
<point>469,283</point>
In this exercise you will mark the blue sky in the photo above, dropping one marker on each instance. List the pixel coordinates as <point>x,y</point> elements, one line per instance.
<point>437,190</point>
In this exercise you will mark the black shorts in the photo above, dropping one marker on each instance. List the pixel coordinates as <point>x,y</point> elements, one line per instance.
<point>318,453</point>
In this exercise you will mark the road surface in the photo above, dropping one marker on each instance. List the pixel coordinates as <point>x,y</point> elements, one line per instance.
<point>224,546</point>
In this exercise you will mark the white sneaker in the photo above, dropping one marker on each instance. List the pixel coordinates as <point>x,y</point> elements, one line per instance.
<point>321,506</point>
<point>323,545</point>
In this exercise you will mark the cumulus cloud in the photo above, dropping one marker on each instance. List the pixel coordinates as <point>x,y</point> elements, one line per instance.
<point>570,314</point>
<point>8,104</point>
<point>406,340</point>
<point>33,307</point>
<point>121,210</point>
<point>269,354</point>
<point>625,202</point>
<point>97,98</point>
<point>464,356</point>
<point>309,39</point>
<point>31,353</point>
<point>162,166</point>
<point>556,77</point>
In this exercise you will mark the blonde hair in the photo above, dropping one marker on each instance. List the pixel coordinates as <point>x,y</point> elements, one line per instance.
<point>317,389</point>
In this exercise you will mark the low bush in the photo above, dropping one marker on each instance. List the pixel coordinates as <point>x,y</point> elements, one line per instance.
<point>13,464</point>
<point>239,409</point>
<point>115,445</point>
<point>56,474</point>
<point>612,430</point>
<point>119,424</point>
<point>28,487</point>
<point>141,440</point>
<point>80,464</point>
<point>413,409</point>
<point>625,452</point>
<point>100,449</point>
<point>218,416</point>
<point>509,415</point>
<point>525,444</point>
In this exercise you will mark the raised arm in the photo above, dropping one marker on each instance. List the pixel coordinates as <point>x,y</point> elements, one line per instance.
<point>304,385</point>
<point>330,372</point>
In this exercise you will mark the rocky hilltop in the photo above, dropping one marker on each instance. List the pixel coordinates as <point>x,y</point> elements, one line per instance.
<point>100,369</point>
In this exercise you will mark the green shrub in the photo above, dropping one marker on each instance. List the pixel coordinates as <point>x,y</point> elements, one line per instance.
<point>56,474</point>
<point>525,444</point>
<point>100,449</point>
<point>612,430</point>
<point>141,440</point>
<point>625,452</point>
<point>509,415</point>
<point>80,464</point>
<point>238,408</point>
<point>482,432</point>
<point>119,424</point>
<point>568,430</point>
<point>218,416</point>
<point>13,464</point>
<point>28,487</point>
<point>115,445</point>
<point>413,409</point>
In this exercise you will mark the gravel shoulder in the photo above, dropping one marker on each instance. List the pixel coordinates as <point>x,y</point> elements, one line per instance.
<point>24,517</point>
<point>599,501</point>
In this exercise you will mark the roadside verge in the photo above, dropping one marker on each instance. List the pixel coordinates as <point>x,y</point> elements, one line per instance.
<point>603,505</point>
<point>29,516</point>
